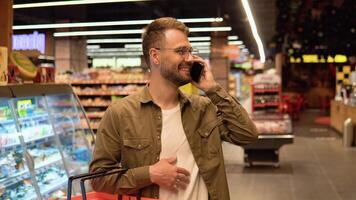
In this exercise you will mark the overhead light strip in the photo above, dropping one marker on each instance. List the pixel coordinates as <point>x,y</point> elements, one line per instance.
<point>131,31</point>
<point>136,40</point>
<point>254,30</point>
<point>109,23</point>
<point>69,3</point>
<point>238,42</point>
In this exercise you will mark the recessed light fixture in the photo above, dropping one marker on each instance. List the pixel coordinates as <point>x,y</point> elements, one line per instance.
<point>254,30</point>
<point>136,40</point>
<point>69,3</point>
<point>131,31</point>
<point>238,42</point>
<point>109,23</point>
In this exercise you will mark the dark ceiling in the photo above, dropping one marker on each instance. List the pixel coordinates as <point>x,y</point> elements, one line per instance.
<point>230,10</point>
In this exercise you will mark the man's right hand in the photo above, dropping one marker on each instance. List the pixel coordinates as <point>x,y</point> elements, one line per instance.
<point>165,174</point>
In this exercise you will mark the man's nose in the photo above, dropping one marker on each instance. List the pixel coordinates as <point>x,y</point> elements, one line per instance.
<point>189,57</point>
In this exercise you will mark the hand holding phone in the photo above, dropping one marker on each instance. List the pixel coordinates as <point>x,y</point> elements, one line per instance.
<point>196,71</point>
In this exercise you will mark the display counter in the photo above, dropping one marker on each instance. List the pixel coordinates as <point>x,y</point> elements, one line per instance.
<point>339,113</point>
<point>275,131</point>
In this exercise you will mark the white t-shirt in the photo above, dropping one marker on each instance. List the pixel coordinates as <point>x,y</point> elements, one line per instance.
<point>174,143</point>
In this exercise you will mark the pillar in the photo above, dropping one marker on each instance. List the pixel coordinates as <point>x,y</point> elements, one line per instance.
<point>6,18</point>
<point>70,54</point>
<point>218,60</point>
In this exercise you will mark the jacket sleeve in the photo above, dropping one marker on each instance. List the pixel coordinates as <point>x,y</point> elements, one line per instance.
<point>107,156</point>
<point>235,124</point>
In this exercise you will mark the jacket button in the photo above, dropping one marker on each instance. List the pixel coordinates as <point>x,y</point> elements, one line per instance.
<point>158,137</point>
<point>206,133</point>
<point>159,117</point>
<point>139,146</point>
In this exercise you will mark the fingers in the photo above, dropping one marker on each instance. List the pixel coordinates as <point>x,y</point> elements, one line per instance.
<point>183,171</point>
<point>182,178</point>
<point>172,160</point>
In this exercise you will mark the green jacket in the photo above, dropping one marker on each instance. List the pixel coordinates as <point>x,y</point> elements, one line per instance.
<point>130,131</point>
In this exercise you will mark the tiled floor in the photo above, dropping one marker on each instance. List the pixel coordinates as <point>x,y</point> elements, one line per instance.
<point>315,167</point>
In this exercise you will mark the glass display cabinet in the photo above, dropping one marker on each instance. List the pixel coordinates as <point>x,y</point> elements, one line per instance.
<point>275,130</point>
<point>44,138</point>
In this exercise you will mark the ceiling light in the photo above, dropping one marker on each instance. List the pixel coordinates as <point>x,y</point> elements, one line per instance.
<point>118,40</point>
<point>115,50</point>
<point>192,39</point>
<point>254,30</point>
<point>109,23</point>
<point>136,40</point>
<point>131,31</point>
<point>68,3</point>
<point>93,46</point>
<point>86,33</point>
<point>133,45</point>
<point>200,44</point>
<point>210,29</point>
<point>233,37</point>
<point>238,42</point>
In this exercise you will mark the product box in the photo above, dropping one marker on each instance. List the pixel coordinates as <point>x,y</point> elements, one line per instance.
<point>3,65</point>
<point>45,75</point>
<point>14,74</point>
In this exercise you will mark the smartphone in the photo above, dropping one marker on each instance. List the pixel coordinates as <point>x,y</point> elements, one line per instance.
<point>195,71</point>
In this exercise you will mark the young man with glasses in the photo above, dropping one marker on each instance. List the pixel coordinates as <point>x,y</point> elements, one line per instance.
<point>169,141</point>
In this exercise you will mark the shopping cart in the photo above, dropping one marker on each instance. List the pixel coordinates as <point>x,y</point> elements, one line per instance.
<point>98,195</point>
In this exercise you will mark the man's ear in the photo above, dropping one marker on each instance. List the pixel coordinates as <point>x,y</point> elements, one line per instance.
<point>154,56</point>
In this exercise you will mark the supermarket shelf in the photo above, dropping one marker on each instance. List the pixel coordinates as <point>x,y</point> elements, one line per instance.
<point>62,104</point>
<point>51,188</point>
<point>261,105</point>
<point>108,82</point>
<point>96,105</point>
<point>39,116</point>
<point>54,186</point>
<point>7,121</point>
<point>49,162</point>
<point>37,140</point>
<point>14,146</point>
<point>19,176</point>
<point>104,93</point>
<point>265,90</point>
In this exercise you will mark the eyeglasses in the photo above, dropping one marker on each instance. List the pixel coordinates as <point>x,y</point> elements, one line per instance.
<point>182,51</point>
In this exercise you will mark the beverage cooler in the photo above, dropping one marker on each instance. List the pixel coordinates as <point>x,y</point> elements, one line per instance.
<point>44,138</point>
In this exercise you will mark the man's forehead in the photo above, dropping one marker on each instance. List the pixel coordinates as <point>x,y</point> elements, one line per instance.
<point>176,37</point>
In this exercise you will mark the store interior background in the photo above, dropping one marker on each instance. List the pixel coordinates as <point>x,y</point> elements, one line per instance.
<point>309,44</point>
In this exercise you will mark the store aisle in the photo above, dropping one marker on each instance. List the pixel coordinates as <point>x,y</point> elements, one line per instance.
<point>315,167</point>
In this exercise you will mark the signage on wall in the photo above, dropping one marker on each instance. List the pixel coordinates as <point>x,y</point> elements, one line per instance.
<point>314,58</point>
<point>33,41</point>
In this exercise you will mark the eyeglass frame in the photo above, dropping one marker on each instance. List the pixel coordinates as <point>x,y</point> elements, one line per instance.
<point>179,50</point>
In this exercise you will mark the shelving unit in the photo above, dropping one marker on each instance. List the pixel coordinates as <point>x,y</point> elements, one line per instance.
<point>97,89</point>
<point>266,93</point>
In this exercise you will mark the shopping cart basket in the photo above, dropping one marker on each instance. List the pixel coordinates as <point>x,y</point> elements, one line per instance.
<point>98,195</point>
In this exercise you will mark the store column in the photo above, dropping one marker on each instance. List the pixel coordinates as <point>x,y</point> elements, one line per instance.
<point>6,18</point>
<point>70,54</point>
<point>218,60</point>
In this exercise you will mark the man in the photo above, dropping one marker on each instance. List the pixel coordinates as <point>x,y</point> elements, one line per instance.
<point>170,142</point>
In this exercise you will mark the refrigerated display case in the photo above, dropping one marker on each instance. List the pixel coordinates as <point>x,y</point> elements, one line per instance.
<point>44,139</point>
<point>275,130</point>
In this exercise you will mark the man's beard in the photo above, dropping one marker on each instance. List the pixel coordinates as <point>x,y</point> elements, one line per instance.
<point>174,76</point>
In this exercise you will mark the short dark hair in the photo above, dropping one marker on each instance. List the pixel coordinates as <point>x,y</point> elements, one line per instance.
<point>154,33</point>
